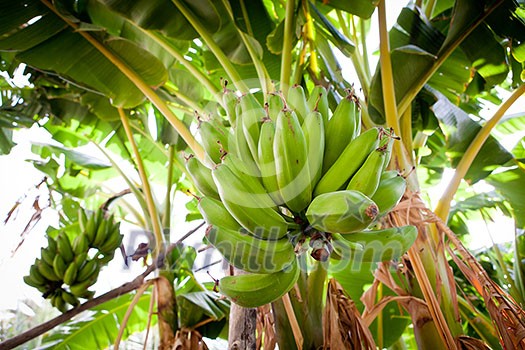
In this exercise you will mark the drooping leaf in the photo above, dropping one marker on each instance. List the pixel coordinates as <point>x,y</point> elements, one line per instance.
<point>416,69</point>
<point>510,184</point>
<point>68,54</point>
<point>163,15</point>
<point>196,307</point>
<point>332,33</point>
<point>98,328</point>
<point>461,130</point>
<point>79,158</point>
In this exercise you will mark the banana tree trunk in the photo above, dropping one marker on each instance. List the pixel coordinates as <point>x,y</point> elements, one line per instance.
<point>242,326</point>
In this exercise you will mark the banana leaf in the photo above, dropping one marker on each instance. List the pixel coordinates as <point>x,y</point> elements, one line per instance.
<point>59,49</point>
<point>98,328</point>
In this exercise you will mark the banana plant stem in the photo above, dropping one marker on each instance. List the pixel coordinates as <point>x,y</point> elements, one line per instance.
<point>166,219</point>
<point>203,79</point>
<point>443,207</point>
<point>293,321</point>
<point>309,36</point>
<point>212,45</point>
<point>286,59</point>
<point>387,76</point>
<point>430,298</point>
<point>139,83</point>
<point>262,73</point>
<point>171,88</point>
<point>152,209</point>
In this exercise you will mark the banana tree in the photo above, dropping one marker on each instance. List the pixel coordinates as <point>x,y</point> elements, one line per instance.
<point>104,65</point>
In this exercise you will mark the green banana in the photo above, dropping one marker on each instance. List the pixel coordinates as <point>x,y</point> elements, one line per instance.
<point>253,290</point>
<point>388,147</point>
<point>249,253</point>
<point>31,281</point>
<point>79,259</point>
<point>366,179</point>
<point>59,266</point>
<point>102,232</point>
<point>341,129</point>
<point>113,241</point>
<point>350,160</point>
<point>214,138</point>
<point>377,245</point>
<point>47,271</point>
<point>51,245</point>
<point>35,275</point>
<point>242,150</point>
<point>47,256</point>
<point>389,174</point>
<point>230,100</point>
<point>201,177</point>
<point>266,161</point>
<point>82,219</point>
<point>80,289</point>
<point>215,213</point>
<point>297,101</point>
<point>389,193</point>
<point>291,162</point>
<point>80,244</point>
<point>313,129</point>
<point>318,101</point>
<point>341,211</point>
<point>252,115</point>
<point>274,105</point>
<point>89,269</point>
<point>70,275</point>
<point>250,206</point>
<point>58,302</point>
<point>91,228</point>
<point>70,298</point>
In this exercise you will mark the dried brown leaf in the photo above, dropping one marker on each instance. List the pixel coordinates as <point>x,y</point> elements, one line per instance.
<point>266,337</point>
<point>188,339</point>
<point>343,327</point>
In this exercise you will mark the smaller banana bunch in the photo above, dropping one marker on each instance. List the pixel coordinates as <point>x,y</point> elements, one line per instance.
<point>66,269</point>
<point>292,172</point>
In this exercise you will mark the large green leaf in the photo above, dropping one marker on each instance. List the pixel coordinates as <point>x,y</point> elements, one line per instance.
<point>65,52</point>
<point>120,26</point>
<point>98,328</point>
<point>420,46</point>
<point>510,184</point>
<point>163,15</point>
<point>195,307</point>
<point>461,130</point>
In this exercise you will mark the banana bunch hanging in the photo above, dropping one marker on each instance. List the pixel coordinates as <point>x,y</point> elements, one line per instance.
<point>290,172</point>
<point>66,269</point>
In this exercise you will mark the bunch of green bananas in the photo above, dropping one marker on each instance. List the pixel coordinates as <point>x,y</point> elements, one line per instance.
<point>65,270</point>
<point>288,172</point>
